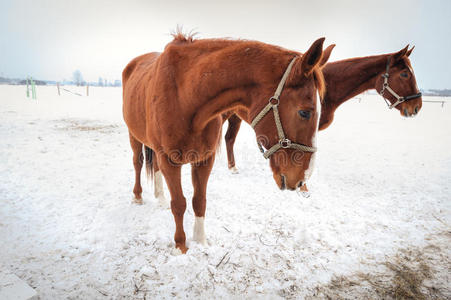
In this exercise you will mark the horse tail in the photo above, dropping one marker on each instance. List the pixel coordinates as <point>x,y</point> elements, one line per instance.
<point>148,155</point>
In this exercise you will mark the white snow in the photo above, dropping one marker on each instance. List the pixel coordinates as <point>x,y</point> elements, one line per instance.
<point>69,229</point>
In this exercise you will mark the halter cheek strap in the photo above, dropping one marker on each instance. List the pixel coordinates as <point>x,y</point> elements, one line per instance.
<point>273,104</point>
<point>386,87</point>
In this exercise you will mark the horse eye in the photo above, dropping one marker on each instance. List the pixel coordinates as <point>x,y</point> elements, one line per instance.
<point>305,114</point>
<point>404,74</point>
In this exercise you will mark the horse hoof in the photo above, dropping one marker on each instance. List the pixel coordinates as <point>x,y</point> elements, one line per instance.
<point>179,250</point>
<point>201,241</point>
<point>234,170</point>
<point>176,252</point>
<point>138,201</point>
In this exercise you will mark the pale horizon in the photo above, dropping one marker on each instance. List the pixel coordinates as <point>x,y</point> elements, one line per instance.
<point>49,40</point>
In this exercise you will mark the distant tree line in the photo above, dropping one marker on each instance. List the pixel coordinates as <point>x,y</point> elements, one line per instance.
<point>104,82</point>
<point>77,79</point>
<point>5,80</point>
<point>435,92</point>
<point>37,82</point>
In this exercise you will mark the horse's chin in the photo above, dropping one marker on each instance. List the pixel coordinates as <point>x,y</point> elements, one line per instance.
<point>409,112</point>
<point>281,181</point>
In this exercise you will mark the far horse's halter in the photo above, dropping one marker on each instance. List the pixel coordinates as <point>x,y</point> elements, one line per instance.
<point>385,86</point>
<point>273,104</point>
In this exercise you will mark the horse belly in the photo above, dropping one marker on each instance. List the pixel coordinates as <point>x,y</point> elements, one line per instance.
<point>135,117</point>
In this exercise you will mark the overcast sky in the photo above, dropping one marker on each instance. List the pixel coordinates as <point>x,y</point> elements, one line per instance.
<point>50,39</point>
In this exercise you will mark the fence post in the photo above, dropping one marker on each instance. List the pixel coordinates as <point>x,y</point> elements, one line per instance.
<point>87,89</point>
<point>28,90</point>
<point>33,88</point>
<point>58,87</point>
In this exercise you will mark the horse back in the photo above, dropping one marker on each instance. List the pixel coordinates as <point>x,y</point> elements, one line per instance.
<point>140,64</point>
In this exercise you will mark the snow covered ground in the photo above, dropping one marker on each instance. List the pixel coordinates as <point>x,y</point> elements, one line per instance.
<point>380,191</point>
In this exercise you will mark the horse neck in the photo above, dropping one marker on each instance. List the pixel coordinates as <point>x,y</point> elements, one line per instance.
<point>230,92</point>
<point>348,78</point>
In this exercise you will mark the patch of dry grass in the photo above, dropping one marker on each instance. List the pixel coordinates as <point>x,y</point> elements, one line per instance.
<point>85,125</point>
<point>411,274</point>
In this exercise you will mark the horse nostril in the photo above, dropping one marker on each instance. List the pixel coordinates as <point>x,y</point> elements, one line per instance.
<point>405,112</point>
<point>300,184</point>
<point>416,109</point>
<point>283,183</point>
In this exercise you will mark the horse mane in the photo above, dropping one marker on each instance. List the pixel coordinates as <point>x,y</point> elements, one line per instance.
<point>180,36</point>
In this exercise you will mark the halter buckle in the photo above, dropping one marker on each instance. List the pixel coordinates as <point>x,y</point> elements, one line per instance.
<point>285,143</point>
<point>274,101</point>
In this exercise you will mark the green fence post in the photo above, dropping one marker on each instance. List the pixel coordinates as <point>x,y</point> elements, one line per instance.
<point>28,89</point>
<point>33,88</point>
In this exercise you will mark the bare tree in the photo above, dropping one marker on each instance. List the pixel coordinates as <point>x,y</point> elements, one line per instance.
<point>77,77</point>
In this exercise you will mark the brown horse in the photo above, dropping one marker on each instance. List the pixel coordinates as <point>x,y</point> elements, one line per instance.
<point>174,101</point>
<point>346,79</point>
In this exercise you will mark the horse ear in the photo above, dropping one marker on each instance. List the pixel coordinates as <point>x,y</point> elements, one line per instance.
<point>326,55</point>
<point>410,51</point>
<point>312,57</point>
<point>400,54</point>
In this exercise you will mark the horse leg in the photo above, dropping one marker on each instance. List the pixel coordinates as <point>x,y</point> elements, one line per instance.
<point>199,174</point>
<point>172,174</point>
<point>232,131</point>
<point>137,148</point>
<point>158,191</point>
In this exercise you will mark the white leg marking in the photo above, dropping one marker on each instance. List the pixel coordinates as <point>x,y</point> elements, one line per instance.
<point>199,231</point>
<point>176,252</point>
<point>234,170</point>
<point>137,201</point>
<point>158,190</point>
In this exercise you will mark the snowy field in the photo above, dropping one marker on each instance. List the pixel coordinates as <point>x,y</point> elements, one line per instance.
<point>379,208</point>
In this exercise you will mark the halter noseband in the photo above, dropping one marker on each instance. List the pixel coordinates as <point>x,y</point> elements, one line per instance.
<point>273,104</point>
<point>385,87</point>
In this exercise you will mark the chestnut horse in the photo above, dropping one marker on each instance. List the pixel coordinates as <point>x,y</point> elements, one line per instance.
<point>346,79</point>
<point>173,104</point>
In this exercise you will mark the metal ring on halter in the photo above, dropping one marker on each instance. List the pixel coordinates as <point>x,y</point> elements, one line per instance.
<point>271,101</point>
<point>285,143</point>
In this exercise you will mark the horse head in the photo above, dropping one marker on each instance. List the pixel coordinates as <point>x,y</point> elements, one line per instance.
<point>289,133</point>
<point>398,84</point>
